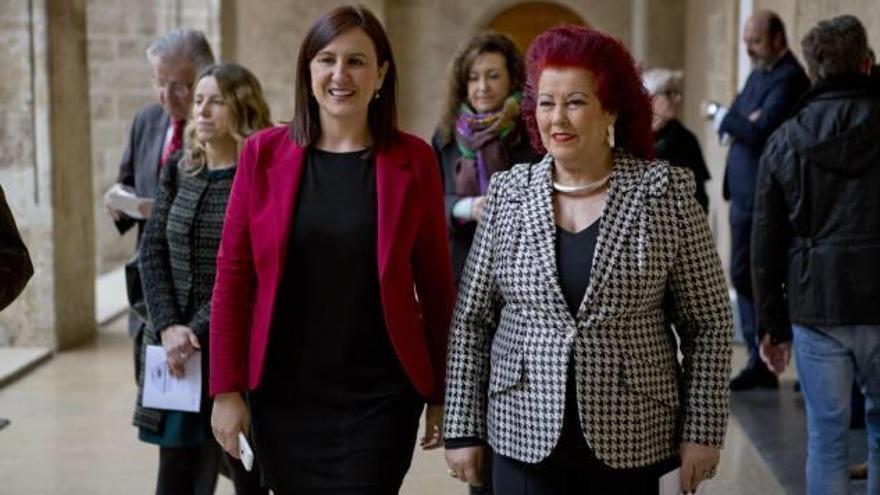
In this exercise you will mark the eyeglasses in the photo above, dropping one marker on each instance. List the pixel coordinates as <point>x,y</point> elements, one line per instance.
<point>177,88</point>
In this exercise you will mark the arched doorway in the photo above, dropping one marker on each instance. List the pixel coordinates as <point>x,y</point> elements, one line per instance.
<point>524,21</point>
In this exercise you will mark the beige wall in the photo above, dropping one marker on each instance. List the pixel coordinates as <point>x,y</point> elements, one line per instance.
<point>45,169</point>
<point>710,73</point>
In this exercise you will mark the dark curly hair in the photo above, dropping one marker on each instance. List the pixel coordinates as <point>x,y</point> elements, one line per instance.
<point>459,71</point>
<point>618,84</point>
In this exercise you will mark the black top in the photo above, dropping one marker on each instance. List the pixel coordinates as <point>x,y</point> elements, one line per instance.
<point>329,335</point>
<point>574,262</point>
<point>676,144</point>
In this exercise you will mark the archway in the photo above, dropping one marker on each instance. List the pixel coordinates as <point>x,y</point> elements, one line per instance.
<point>524,21</point>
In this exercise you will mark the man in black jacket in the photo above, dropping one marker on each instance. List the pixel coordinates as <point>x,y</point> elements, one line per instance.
<point>816,249</point>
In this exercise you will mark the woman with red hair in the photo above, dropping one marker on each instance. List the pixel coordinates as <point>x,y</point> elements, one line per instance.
<point>562,354</point>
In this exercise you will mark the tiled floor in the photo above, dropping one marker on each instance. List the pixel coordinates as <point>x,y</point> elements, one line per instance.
<point>71,434</point>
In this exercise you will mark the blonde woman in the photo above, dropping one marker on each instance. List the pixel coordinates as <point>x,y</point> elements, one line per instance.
<point>178,254</point>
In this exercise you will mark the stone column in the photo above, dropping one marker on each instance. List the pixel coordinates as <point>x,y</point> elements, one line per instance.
<point>48,174</point>
<point>73,231</point>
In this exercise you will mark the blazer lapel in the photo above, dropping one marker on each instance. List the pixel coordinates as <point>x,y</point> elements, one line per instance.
<point>158,130</point>
<point>284,178</point>
<point>540,222</point>
<point>392,183</point>
<point>625,198</point>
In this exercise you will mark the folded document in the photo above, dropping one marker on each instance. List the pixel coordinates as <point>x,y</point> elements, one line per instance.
<point>164,391</point>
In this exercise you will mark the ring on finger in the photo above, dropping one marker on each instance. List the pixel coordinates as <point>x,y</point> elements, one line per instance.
<point>451,472</point>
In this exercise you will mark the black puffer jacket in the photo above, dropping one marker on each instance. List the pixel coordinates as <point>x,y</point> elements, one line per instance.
<point>816,230</point>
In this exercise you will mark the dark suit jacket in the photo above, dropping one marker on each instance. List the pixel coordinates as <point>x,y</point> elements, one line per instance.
<point>15,262</point>
<point>415,277</point>
<point>774,92</point>
<point>139,167</point>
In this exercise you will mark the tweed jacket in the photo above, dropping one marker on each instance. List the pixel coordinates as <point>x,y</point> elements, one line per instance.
<point>655,265</point>
<point>178,262</point>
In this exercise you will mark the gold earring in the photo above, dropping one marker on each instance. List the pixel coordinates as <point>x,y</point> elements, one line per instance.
<point>610,131</point>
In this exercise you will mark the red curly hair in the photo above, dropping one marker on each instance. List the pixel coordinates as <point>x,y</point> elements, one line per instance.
<point>618,83</point>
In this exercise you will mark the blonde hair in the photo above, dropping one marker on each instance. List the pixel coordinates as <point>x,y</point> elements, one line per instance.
<point>249,112</point>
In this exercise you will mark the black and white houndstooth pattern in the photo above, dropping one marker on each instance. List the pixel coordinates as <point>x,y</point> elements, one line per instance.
<point>512,334</point>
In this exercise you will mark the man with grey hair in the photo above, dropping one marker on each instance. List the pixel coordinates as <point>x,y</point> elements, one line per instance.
<point>155,134</point>
<point>816,246</point>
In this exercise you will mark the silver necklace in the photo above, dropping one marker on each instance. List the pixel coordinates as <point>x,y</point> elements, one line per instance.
<point>582,189</point>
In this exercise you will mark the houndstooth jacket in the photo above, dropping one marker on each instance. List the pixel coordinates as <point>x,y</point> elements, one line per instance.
<point>655,264</point>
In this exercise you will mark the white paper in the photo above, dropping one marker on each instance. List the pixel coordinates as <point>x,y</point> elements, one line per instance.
<point>163,391</point>
<point>124,199</point>
<point>670,483</point>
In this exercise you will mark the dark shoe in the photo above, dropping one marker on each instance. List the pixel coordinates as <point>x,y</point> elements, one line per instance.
<point>750,378</point>
<point>859,471</point>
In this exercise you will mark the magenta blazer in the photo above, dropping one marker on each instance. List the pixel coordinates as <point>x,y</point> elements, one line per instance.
<point>415,276</point>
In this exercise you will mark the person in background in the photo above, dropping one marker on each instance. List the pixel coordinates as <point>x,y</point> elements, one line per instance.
<point>774,86</point>
<point>480,133</point>
<point>815,246</point>
<point>177,259</point>
<point>560,353</point>
<point>334,286</point>
<point>672,140</point>
<point>155,134</point>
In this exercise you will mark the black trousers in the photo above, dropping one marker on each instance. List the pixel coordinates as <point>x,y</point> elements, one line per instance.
<point>245,482</point>
<point>188,470</point>
<point>572,468</point>
<point>559,476</point>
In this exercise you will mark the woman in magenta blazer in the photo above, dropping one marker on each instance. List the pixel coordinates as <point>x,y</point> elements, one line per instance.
<point>334,288</point>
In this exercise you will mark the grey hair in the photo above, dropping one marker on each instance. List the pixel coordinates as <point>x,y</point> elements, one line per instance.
<point>660,80</point>
<point>189,44</point>
<point>836,46</point>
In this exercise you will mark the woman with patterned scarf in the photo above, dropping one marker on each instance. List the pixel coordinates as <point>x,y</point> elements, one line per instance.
<point>480,133</point>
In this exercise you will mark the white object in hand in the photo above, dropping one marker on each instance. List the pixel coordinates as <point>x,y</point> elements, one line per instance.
<point>245,453</point>
<point>162,390</point>
<point>670,483</point>
<point>124,199</point>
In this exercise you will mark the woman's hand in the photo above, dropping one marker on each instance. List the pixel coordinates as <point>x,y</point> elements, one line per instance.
<point>698,463</point>
<point>179,342</point>
<point>433,437</point>
<point>466,464</point>
<point>229,416</point>
<point>477,208</point>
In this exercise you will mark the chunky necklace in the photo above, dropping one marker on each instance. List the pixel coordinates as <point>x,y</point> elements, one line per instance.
<point>582,189</point>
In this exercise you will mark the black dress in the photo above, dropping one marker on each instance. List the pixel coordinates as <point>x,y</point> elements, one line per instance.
<point>335,412</point>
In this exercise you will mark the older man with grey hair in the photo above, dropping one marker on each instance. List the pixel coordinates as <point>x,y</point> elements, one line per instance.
<point>816,249</point>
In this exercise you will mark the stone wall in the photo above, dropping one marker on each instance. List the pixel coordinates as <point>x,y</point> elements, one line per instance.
<point>26,187</point>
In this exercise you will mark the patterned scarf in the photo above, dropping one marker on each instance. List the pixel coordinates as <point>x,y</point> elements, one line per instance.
<point>481,139</point>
